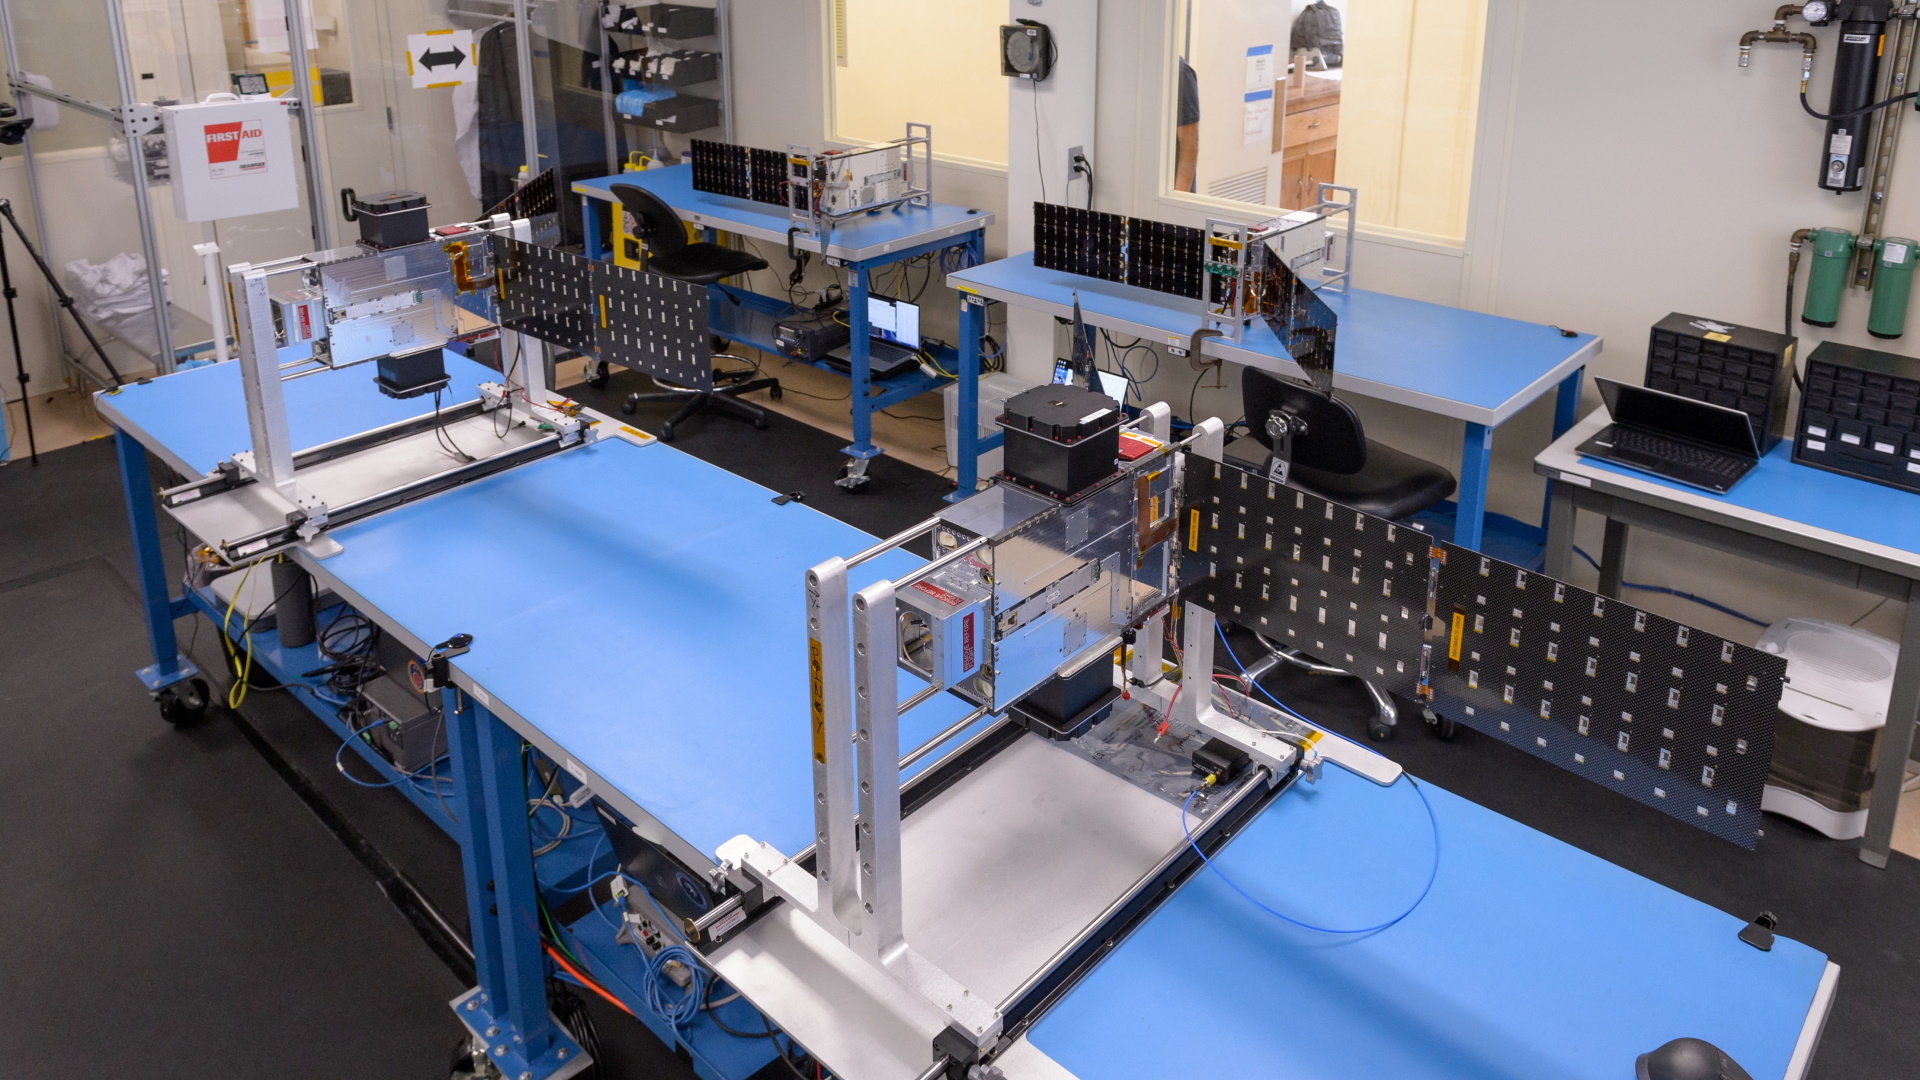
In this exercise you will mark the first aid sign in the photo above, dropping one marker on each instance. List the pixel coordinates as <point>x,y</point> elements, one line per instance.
<point>232,156</point>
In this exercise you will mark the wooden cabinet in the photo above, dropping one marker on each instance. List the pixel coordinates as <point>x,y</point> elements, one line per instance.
<point>1306,136</point>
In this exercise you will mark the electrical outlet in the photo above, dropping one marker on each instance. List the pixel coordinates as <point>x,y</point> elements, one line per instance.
<point>1074,154</point>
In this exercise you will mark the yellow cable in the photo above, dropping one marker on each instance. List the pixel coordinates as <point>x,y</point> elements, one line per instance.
<point>237,691</point>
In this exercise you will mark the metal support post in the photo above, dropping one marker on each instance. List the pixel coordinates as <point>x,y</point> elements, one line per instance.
<point>150,569</point>
<point>1896,742</point>
<point>508,1010</point>
<point>829,665</point>
<point>1476,460</point>
<point>876,719</point>
<point>966,425</point>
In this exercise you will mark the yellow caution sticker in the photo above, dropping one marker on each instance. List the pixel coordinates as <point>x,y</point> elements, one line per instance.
<point>817,687</point>
<point>1456,636</point>
<point>1720,337</point>
<point>1193,530</point>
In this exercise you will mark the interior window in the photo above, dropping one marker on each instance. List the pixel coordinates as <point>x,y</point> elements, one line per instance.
<point>925,63</point>
<point>1273,98</point>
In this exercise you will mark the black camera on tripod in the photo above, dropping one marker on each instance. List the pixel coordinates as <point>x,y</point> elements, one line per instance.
<point>13,126</point>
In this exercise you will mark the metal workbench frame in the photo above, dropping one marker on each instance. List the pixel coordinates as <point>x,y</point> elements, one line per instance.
<point>727,303</point>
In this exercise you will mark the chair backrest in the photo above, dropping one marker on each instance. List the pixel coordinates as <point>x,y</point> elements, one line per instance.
<point>1333,441</point>
<point>654,222</point>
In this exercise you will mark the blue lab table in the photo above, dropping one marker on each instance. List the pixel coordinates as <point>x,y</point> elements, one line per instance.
<point>1474,368</point>
<point>863,244</point>
<point>1808,521</point>
<point>638,616</point>
<point>1528,959</point>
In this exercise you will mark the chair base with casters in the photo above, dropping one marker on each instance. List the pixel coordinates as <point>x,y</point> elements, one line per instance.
<point>724,398</point>
<point>1386,716</point>
<point>1315,442</point>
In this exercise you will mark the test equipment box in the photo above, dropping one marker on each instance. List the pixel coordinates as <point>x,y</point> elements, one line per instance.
<point>1860,415</point>
<point>1718,362</point>
<point>232,156</point>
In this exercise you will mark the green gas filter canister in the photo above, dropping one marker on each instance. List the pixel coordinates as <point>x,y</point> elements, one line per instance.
<point>1892,286</point>
<point>1827,279</point>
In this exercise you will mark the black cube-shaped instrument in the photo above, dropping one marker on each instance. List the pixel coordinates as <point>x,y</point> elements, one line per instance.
<point>1061,440</point>
<point>391,219</point>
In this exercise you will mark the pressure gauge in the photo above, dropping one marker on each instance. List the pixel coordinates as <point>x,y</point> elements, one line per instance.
<point>1026,50</point>
<point>1816,11</point>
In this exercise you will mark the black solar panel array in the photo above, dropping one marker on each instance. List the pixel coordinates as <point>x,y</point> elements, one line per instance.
<point>1165,257</point>
<point>1670,716</point>
<point>1085,242</point>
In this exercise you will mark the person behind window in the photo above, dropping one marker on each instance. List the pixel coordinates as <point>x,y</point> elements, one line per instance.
<point>1186,131</point>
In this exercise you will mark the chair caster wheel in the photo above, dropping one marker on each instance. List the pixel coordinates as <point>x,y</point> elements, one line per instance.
<point>184,703</point>
<point>773,393</point>
<point>1443,728</point>
<point>1379,732</point>
<point>719,343</point>
<point>760,423</point>
<point>599,376</point>
<point>666,432</point>
<point>629,407</point>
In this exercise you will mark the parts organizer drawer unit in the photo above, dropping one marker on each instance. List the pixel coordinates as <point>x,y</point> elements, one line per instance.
<point>1861,415</point>
<point>1735,366</point>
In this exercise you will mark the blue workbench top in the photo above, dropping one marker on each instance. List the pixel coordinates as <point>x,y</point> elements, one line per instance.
<point>856,238</point>
<point>197,418</point>
<point>646,612</point>
<point>1789,497</point>
<point>1460,364</point>
<point>1529,960</point>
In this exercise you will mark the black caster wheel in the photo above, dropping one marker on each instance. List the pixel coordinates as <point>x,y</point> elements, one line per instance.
<point>666,432</point>
<point>1379,732</point>
<point>773,393</point>
<point>184,703</point>
<point>760,423</point>
<point>1443,728</point>
<point>719,343</point>
<point>599,376</point>
<point>629,407</point>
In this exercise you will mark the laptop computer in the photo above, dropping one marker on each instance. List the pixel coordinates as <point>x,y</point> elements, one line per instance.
<point>1673,437</point>
<point>893,342</point>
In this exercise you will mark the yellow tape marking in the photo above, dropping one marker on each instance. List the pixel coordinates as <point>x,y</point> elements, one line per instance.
<point>817,685</point>
<point>1193,530</point>
<point>1456,635</point>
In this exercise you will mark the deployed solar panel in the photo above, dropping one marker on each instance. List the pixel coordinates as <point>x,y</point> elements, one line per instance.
<point>1670,716</point>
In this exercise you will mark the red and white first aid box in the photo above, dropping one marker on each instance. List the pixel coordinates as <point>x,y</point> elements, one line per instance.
<point>232,156</point>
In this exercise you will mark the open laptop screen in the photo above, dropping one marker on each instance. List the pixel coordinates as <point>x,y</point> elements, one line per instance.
<point>894,320</point>
<point>1680,417</point>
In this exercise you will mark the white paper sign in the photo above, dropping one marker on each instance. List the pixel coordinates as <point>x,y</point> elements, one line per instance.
<point>1257,120</point>
<point>1259,68</point>
<point>442,58</point>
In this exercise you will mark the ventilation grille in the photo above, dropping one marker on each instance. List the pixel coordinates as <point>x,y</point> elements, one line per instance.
<point>1250,186</point>
<point>840,32</point>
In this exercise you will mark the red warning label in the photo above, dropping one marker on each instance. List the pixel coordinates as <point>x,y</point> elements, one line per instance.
<point>939,594</point>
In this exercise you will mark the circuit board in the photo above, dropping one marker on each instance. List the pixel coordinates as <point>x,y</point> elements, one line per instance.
<point>653,324</point>
<point>1670,716</point>
<point>1165,257</point>
<point>1085,242</point>
<point>546,293</point>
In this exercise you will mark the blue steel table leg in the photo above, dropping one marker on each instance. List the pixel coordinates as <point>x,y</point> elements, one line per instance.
<point>973,323</point>
<point>1566,405</point>
<point>150,567</point>
<point>508,1010</point>
<point>1470,523</point>
<point>862,376</point>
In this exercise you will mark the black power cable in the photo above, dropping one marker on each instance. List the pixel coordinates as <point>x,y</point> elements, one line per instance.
<point>1876,107</point>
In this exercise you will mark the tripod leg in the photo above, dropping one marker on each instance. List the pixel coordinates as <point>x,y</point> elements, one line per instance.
<point>62,295</point>
<point>19,359</point>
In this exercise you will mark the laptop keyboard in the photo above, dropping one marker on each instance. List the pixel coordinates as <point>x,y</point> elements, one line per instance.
<point>1645,444</point>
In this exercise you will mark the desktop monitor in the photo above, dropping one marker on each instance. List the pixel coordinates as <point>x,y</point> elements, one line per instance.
<point>894,320</point>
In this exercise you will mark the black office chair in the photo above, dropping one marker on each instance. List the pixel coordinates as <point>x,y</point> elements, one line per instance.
<point>668,252</point>
<point>1315,442</point>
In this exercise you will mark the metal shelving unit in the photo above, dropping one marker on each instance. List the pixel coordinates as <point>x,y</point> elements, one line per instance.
<point>651,131</point>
